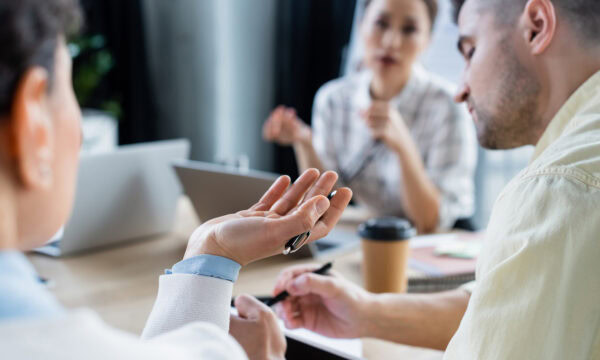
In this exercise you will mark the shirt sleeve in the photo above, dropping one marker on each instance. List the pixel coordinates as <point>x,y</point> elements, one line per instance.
<point>208,265</point>
<point>187,298</point>
<point>81,334</point>
<point>21,293</point>
<point>201,341</point>
<point>451,159</point>
<point>322,128</point>
<point>537,294</point>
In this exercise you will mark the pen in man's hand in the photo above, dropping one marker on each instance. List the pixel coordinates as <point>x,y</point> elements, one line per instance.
<point>284,294</point>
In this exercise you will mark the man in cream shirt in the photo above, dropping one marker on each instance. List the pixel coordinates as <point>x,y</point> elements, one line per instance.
<point>532,76</point>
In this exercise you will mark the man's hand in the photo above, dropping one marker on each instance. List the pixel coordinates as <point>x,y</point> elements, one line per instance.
<point>335,307</point>
<point>281,214</point>
<point>387,125</point>
<point>257,330</point>
<point>285,128</point>
<point>328,305</point>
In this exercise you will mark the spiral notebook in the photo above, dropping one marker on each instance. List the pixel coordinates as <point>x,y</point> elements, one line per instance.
<point>443,272</point>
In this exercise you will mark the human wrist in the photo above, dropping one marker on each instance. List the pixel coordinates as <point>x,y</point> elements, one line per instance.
<point>304,136</point>
<point>405,148</point>
<point>201,243</point>
<point>383,320</point>
<point>397,146</point>
<point>370,311</point>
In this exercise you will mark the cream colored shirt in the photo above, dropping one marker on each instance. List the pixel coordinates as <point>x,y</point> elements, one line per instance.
<point>538,278</point>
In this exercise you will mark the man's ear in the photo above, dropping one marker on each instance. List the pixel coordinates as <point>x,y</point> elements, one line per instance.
<point>539,20</point>
<point>32,130</point>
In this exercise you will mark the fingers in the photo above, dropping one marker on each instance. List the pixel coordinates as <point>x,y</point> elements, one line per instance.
<point>337,205</point>
<point>290,114</point>
<point>301,220</point>
<point>324,185</point>
<point>377,118</point>
<point>257,330</point>
<point>379,108</point>
<point>274,124</point>
<point>290,273</point>
<point>376,109</point>
<point>295,193</point>
<point>269,125</point>
<point>274,193</point>
<point>249,307</point>
<point>291,313</point>
<point>310,283</point>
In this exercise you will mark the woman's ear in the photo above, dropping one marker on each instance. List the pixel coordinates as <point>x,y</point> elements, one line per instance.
<point>32,130</point>
<point>539,23</point>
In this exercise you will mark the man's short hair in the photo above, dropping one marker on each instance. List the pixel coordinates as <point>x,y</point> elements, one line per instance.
<point>28,37</point>
<point>583,15</point>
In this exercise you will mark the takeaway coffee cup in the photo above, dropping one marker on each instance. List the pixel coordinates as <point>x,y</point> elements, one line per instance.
<point>385,253</point>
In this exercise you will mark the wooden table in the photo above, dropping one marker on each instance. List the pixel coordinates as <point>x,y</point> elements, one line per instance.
<point>120,283</point>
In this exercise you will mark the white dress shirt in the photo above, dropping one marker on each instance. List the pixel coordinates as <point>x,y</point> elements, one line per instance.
<point>441,129</point>
<point>538,289</point>
<point>81,334</point>
<point>190,319</point>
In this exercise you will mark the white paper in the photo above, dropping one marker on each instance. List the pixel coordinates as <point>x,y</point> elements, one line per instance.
<point>347,348</point>
<point>431,240</point>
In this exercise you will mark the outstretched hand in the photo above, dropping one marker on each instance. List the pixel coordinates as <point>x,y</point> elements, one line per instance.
<point>283,212</point>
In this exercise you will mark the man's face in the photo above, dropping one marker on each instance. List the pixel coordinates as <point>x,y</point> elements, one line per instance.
<point>501,92</point>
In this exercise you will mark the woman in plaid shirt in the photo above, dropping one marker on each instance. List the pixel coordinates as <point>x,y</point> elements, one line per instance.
<point>392,131</point>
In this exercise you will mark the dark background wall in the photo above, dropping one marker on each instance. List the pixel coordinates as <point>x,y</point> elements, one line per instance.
<point>311,37</point>
<point>312,41</point>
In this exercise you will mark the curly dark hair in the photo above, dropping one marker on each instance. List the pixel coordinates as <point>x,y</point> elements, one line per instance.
<point>29,36</point>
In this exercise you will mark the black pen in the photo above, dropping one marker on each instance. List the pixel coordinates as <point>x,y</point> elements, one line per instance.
<point>295,243</point>
<point>284,294</point>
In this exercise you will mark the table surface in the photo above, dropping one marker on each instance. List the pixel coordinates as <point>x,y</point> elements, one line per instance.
<point>120,282</point>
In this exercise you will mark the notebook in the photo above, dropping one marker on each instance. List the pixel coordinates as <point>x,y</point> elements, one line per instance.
<point>446,261</point>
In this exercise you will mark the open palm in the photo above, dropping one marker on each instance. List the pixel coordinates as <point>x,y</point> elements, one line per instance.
<point>282,212</point>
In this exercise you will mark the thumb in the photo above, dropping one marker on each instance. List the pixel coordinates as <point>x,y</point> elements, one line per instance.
<point>238,327</point>
<point>309,283</point>
<point>290,113</point>
<point>302,219</point>
<point>249,307</point>
<point>275,127</point>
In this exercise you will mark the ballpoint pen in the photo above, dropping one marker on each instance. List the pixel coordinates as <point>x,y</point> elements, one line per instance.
<point>284,294</point>
<point>297,241</point>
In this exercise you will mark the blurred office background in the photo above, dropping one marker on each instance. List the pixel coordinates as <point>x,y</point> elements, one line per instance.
<point>212,70</point>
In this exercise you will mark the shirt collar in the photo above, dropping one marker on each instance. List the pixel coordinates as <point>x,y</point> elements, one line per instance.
<point>363,95</point>
<point>565,115</point>
<point>14,263</point>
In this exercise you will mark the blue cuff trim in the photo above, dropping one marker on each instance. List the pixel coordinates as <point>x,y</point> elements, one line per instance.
<point>208,265</point>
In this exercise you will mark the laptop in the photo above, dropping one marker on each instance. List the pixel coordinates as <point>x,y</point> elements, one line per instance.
<point>126,194</point>
<point>217,190</point>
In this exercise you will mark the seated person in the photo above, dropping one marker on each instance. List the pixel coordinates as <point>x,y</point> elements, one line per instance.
<point>40,139</point>
<point>392,131</point>
<point>532,77</point>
